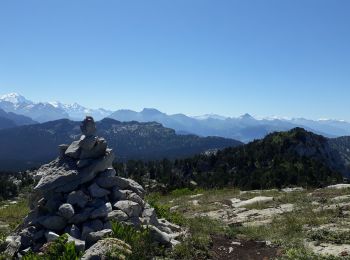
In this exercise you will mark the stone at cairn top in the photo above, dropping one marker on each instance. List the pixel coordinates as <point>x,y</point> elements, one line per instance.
<point>88,127</point>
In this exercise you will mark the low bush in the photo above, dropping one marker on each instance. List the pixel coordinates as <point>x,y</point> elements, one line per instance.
<point>142,245</point>
<point>60,249</point>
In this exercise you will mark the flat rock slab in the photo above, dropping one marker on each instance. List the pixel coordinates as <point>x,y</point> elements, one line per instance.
<point>338,186</point>
<point>259,199</point>
<point>102,247</point>
<point>328,249</point>
<point>63,175</point>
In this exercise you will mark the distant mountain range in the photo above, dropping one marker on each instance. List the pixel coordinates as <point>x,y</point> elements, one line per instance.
<point>48,111</point>
<point>29,146</point>
<point>244,128</point>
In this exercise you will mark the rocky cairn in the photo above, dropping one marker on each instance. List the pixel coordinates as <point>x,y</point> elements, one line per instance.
<point>80,194</point>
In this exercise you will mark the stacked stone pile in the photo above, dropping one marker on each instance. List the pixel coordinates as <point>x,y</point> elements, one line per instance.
<point>80,194</point>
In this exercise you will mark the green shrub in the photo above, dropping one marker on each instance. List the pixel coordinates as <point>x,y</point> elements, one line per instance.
<point>142,245</point>
<point>60,249</point>
<point>323,235</point>
<point>163,211</point>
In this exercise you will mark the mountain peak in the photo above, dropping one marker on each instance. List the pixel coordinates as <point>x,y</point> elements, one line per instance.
<point>246,116</point>
<point>151,111</point>
<point>15,98</point>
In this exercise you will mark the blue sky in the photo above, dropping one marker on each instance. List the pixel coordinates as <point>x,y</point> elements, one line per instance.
<point>271,57</point>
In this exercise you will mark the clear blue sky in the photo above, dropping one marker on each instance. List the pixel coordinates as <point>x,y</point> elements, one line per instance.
<point>264,57</point>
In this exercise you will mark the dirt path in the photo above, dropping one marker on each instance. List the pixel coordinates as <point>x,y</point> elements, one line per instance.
<point>226,249</point>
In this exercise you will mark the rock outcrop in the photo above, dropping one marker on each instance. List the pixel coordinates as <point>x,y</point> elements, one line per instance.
<point>80,194</point>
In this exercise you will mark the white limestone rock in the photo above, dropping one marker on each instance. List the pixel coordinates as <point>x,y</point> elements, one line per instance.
<point>131,208</point>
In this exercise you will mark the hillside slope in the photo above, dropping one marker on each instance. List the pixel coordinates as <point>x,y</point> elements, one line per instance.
<point>296,157</point>
<point>9,119</point>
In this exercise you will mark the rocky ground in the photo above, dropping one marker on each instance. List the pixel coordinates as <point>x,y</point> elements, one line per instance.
<point>271,224</point>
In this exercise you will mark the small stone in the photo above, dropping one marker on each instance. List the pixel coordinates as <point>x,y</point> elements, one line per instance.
<point>86,231</point>
<point>73,150</point>
<point>79,244</point>
<point>149,216</point>
<point>118,194</point>
<point>66,210</point>
<point>97,151</point>
<point>97,192</point>
<point>39,234</point>
<point>74,231</point>
<point>27,236</point>
<point>110,172</point>
<point>51,236</point>
<point>87,142</point>
<point>13,245</point>
<point>93,237</point>
<point>81,217</point>
<point>136,198</point>
<point>95,225</point>
<point>88,127</point>
<point>55,223</point>
<point>131,208</point>
<point>102,211</point>
<point>102,247</point>
<point>117,215</point>
<point>107,225</point>
<point>159,236</point>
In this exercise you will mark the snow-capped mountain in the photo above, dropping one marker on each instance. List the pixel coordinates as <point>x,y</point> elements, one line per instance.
<point>47,111</point>
<point>210,116</point>
<point>15,99</point>
<point>77,112</point>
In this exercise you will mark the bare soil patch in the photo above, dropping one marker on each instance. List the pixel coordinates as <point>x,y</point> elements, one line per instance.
<point>224,248</point>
